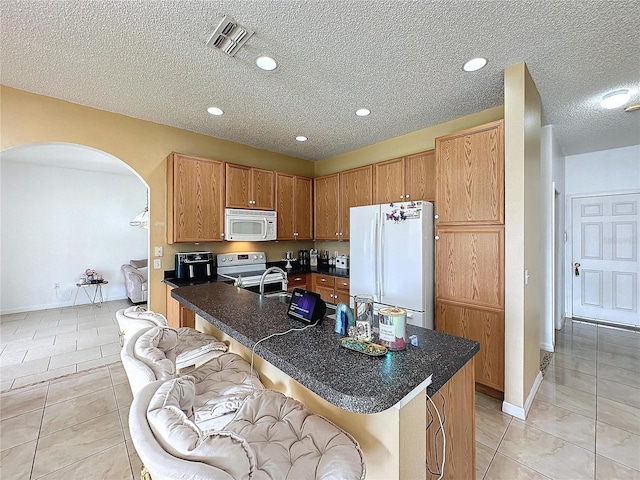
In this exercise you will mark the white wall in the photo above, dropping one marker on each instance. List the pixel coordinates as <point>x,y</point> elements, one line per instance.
<point>616,170</point>
<point>612,170</point>
<point>57,222</point>
<point>551,181</point>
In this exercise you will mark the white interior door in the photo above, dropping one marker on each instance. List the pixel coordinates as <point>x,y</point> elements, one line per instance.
<point>605,258</point>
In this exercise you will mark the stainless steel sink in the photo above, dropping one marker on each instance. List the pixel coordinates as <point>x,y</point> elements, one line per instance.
<point>282,297</point>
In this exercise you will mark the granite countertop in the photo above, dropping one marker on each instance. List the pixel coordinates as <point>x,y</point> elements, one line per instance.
<point>350,380</point>
<point>295,270</point>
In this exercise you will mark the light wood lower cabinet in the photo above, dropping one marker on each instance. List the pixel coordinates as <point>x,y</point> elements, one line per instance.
<point>484,326</point>
<point>298,280</point>
<point>332,289</point>
<point>177,314</point>
<point>456,403</point>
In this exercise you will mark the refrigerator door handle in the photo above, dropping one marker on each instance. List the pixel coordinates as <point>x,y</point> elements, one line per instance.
<point>381,287</point>
<point>376,255</point>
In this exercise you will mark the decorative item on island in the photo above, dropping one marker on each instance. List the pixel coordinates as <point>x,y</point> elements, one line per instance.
<point>91,276</point>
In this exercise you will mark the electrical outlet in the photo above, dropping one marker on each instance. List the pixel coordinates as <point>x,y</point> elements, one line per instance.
<point>158,251</point>
<point>157,263</point>
<point>56,285</point>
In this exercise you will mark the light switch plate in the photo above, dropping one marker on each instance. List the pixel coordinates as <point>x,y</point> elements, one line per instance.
<point>157,263</point>
<point>158,251</point>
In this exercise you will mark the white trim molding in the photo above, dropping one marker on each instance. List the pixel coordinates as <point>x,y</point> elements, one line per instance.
<point>520,412</point>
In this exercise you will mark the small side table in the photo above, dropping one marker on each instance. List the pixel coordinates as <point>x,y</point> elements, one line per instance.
<point>97,298</point>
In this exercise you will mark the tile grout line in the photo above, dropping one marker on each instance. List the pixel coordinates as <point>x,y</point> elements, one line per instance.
<point>35,450</point>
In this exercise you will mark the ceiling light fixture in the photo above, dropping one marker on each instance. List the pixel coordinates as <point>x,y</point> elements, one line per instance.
<point>634,107</point>
<point>266,63</point>
<point>215,111</point>
<point>363,112</point>
<point>301,138</point>
<point>615,99</point>
<point>474,64</point>
<point>142,219</point>
<point>229,36</point>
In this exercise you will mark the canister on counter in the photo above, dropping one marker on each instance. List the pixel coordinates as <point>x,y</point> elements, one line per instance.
<point>393,328</point>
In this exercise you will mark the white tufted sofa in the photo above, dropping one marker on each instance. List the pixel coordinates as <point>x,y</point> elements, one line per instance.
<point>221,383</point>
<point>271,436</point>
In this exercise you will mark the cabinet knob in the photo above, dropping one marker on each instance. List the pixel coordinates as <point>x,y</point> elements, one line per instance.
<point>437,237</point>
<point>222,234</point>
<point>436,216</point>
<point>323,279</point>
<point>406,196</point>
<point>401,197</point>
<point>340,233</point>
<point>337,234</point>
<point>297,279</point>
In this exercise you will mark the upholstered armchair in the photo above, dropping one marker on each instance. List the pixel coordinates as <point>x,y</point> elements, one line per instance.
<point>135,280</point>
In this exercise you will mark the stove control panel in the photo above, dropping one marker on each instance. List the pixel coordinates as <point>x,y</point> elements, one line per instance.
<point>248,258</point>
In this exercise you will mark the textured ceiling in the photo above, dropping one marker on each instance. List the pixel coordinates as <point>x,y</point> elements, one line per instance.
<point>401,59</point>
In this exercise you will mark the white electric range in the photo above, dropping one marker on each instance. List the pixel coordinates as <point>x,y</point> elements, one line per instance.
<point>246,269</point>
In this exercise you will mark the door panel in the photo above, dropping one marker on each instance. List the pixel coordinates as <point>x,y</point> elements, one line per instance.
<point>605,258</point>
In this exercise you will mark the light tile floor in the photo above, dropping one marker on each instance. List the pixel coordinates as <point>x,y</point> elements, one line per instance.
<point>46,344</point>
<point>584,422</point>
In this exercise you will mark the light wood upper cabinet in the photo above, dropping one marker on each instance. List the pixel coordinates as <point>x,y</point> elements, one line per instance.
<point>326,204</point>
<point>388,181</point>
<point>356,189</point>
<point>420,176</point>
<point>470,176</point>
<point>195,199</point>
<point>248,187</point>
<point>294,204</point>
<point>406,178</point>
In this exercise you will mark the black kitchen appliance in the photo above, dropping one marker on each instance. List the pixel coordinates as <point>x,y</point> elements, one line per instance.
<point>303,258</point>
<point>192,265</point>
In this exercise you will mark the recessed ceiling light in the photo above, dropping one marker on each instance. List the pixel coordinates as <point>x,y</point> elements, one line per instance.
<point>363,112</point>
<point>266,63</point>
<point>214,111</point>
<point>615,99</point>
<point>474,64</point>
<point>301,138</point>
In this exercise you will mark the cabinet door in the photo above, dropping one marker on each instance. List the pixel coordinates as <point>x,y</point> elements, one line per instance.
<point>195,199</point>
<point>177,314</point>
<point>342,290</point>
<point>238,186</point>
<point>470,265</point>
<point>326,191</point>
<point>262,189</point>
<point>356,189</point>
<point>299,280</point>
<point>470,176</point>
<point>484,326</point>
<point>420,176</point>
<point>388,181</point>
<point>285,187</point>
<point>303,208</point>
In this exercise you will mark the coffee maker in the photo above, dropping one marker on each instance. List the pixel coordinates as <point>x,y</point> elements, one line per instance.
<point>303,258</point>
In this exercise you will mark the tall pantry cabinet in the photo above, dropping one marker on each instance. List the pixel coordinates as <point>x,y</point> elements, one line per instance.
<point>470,244</point>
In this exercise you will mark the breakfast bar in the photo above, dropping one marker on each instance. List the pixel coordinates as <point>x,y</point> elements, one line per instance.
<point>381,401</point>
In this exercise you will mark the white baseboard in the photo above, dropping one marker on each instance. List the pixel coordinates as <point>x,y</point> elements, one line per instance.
<point>547,347</point>
<point>520,412</point>
<point>48,306</point>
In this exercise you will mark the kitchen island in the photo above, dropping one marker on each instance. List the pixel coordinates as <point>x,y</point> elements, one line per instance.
<point>381,401</point>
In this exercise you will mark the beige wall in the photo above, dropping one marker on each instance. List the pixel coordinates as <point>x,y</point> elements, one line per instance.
<point>414,142</point>
<point>28,118</point>
<point>523,237</point>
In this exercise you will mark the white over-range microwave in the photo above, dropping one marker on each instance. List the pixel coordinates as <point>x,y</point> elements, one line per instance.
<point>249,225</point>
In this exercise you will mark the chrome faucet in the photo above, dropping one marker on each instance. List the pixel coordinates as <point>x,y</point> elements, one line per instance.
<point>269,270</point>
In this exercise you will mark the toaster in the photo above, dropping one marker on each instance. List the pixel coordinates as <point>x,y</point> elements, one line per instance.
<point>342,261</point>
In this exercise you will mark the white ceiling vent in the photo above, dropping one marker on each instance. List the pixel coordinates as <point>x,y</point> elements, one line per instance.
<point>229,36</point>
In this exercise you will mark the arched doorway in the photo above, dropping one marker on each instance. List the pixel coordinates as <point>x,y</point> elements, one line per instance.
<point>66,208</point>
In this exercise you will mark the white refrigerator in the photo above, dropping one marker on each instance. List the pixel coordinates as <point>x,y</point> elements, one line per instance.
<point>392,257</point>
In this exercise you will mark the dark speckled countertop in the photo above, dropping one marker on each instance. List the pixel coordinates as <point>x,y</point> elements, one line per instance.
<point>350,380</point>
